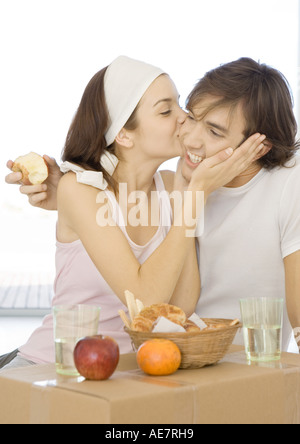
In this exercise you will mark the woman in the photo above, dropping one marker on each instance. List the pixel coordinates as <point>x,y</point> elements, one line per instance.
<point>127,124</point>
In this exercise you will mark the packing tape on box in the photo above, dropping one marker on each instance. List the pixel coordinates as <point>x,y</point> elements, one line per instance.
<point>239,357</point>
<point>187,391</point>
<point>50,399</point>
<point>291,381</point>
<point>40,403</point>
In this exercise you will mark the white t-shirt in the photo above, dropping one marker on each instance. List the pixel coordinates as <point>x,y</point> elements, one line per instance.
<point>248,231</point>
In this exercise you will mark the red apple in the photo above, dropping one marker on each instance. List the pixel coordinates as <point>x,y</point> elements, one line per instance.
<point>96,357</point>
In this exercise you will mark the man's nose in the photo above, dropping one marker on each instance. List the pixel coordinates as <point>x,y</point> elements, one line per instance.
<point>193,138</point>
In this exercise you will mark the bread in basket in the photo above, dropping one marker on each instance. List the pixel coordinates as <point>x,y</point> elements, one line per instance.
<point>199,348</point>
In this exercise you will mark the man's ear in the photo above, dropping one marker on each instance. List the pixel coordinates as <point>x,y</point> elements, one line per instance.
<point>123,138</point>
<point>267,147</point>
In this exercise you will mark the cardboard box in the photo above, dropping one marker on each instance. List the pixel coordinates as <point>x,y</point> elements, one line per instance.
<point>231,392</point>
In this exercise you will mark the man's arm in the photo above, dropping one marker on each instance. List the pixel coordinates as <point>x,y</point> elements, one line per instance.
<point>292,285</point>
<point>44,195</point>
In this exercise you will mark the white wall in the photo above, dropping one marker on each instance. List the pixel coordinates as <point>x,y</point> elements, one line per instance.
<point>51,48</point>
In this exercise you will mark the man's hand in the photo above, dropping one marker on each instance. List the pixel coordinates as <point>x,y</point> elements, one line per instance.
<point>41,196</point>
<point>220,169</point>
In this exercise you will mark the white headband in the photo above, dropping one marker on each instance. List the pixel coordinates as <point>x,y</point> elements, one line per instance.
<point>125,82</point>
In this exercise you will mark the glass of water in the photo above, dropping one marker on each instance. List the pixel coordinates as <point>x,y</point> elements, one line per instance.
<point>71,323</point>
<point>262,327</point>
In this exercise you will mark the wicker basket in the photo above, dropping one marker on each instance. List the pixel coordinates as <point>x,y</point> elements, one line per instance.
<point>197,349</point>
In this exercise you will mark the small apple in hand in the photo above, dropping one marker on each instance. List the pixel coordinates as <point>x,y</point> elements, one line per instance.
<point>96,357</point>
<point>33,168</point>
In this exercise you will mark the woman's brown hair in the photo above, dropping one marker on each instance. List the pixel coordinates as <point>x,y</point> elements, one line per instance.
<point>267,104</point>
<point>85,142</point>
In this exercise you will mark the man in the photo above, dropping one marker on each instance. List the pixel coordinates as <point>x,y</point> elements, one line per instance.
<point>250,246</point>
<point>251,240</point>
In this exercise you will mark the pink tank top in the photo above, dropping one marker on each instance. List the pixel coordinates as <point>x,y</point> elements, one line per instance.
<point>79,282</point>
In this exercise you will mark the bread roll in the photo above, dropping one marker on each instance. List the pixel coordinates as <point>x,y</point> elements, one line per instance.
<point>174,314</point>
<point>33,168</point>
<point>147,317</point>
<point>141,324</point>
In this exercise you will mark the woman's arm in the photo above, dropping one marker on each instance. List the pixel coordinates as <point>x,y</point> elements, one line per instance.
<point>187,290</point>
<point>44,195</point>
<point>152,282</point>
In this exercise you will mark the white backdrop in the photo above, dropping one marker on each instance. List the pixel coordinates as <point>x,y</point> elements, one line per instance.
<point>51,48</point>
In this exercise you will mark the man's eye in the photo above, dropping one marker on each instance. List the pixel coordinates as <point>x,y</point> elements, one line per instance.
<point>215,134</point>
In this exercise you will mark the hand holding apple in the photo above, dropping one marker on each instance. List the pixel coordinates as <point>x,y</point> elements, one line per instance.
<point>96,357</point>
<point>42,195</point>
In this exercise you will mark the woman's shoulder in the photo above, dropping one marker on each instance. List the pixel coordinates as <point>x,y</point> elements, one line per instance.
<point>69,182</point>
<point>68,179</point>
<point>70,191</point>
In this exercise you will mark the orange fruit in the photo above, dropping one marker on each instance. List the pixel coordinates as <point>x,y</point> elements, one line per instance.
<point>159,357</point>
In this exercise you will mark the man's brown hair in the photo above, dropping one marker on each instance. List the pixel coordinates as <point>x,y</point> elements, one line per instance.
<point>267,103</point>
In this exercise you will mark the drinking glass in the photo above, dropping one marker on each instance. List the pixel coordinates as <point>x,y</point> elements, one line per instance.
<point>262,328</point>
<point>71,323</point>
